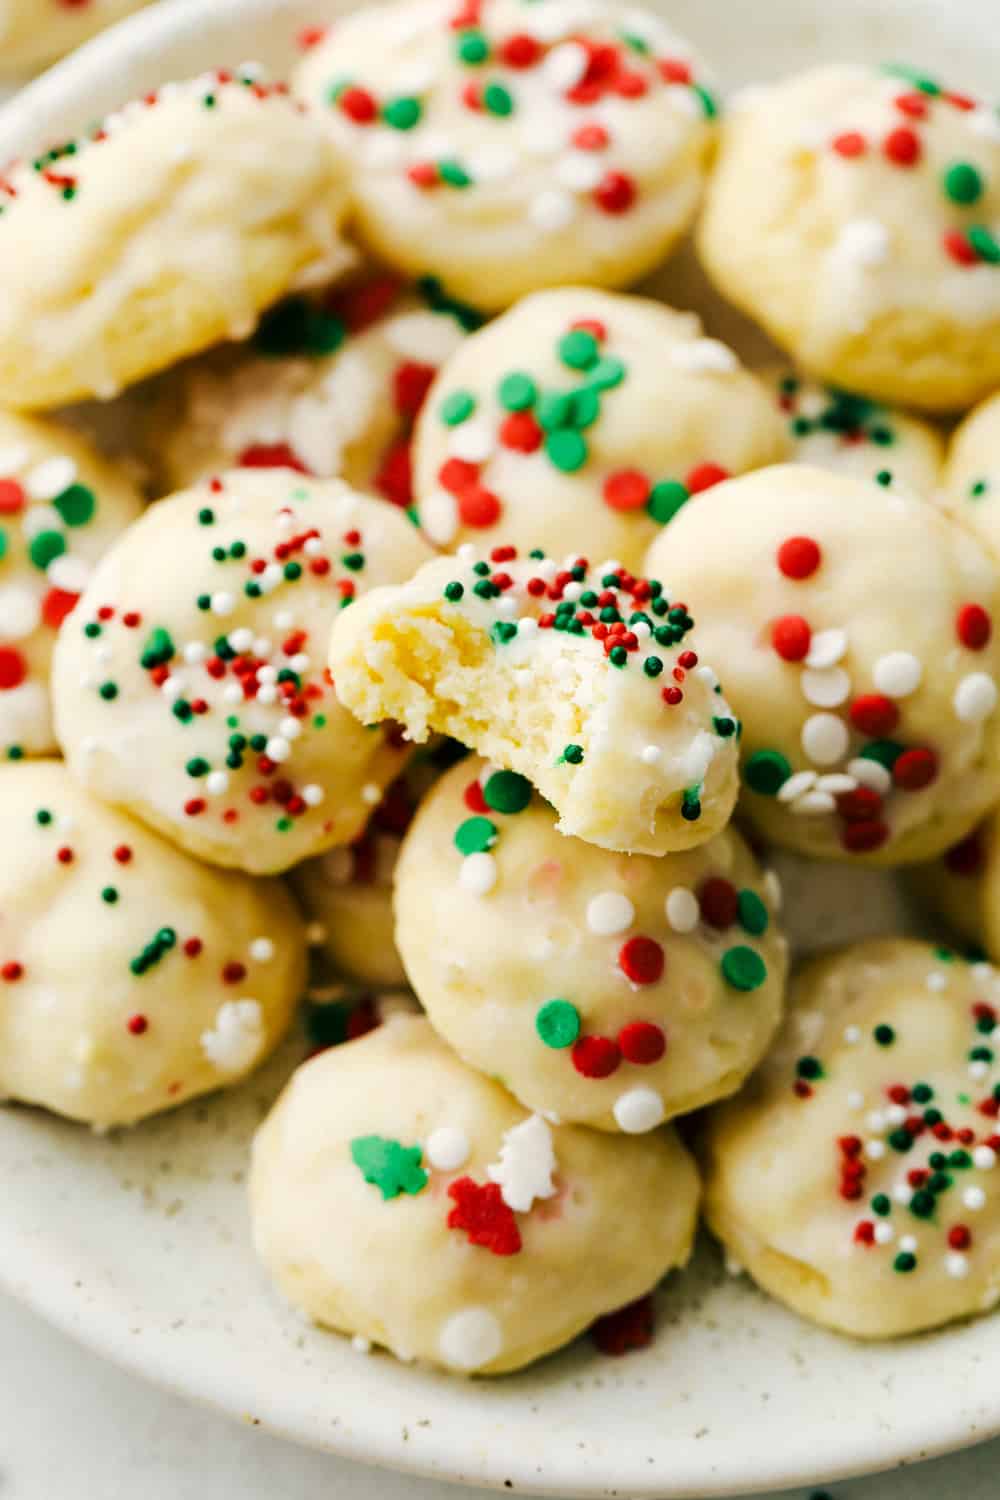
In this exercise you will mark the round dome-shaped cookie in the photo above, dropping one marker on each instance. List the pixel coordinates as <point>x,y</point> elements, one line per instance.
<point>132,977</point>
<point>579,678</point>
<point>854,435</point>
<point>390,1151</point>
<point>34,32</point>
<point>602,989</point>
<point>505,146</point>
<point>586,414</point>
<point>856,1177</point>
<point>972,473</point>
<point>61,506</point>
<point>170,226</point>
<point>855,213</point>
<point>856,628</point>
<point>329,387</point>
<point>191,687</point>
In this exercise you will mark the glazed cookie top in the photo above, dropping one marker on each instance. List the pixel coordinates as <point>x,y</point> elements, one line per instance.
<point>856,213</point>
<point>167,227</point>
<point>863,1155</point>
<point>508,145</point>
<point>191,686</point>
<point>131,977</point>
<point>33,32</point>
<point>852,434</point>
<point>329,386</point>
<point>856,625</point>
<point>972,473</point>
<point>391,1150</point>
<point>601,989</point>
<point>579,677</point>
<point>589,414</point>
<point>61,507</point>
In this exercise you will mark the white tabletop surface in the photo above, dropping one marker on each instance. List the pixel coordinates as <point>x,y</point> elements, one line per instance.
<point>77,1428</point>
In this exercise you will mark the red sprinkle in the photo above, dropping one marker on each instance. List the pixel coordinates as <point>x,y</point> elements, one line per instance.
<point>13,668</point>
<point>966,858</point>
<point>520,431</point>
<point>849,143</point>
<point>478,506</point>
<point>958,248</point>
<point>719,902</point>
<point>874,714</point>
<point>799,557</point>
<point>11,972</point>
<point>626,489</point>
<point>973,626</point>
<point>641,960</point>
<point>615,193</point>
<point>703,476</point>
<point>642,1042</point>
<point>862,837</point>
<point>595,1056</point>
<point>631,1327</point>
<point>791,637</point>
<point>915,769</point>
<point>12,497</point>
<point>358,105</point>
<point>481,1211</point>
<point>137,1025</point>
<point>902,146</point>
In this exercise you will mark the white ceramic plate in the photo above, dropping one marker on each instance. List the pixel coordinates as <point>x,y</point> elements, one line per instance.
<point>138,1243</point>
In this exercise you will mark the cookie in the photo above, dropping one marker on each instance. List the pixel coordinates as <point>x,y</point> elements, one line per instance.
<point>61,506</point>
<point>579,678</point>
<point>190,686</point>
<point>169,226</point>
<point>505,146</point>
<point>972,473</point>
<point>963,887</point>
<point>329,387</point>
<point>586,414</point>
<point>855,625</point>
<point>132,978</point>
<point>856,1176</point>
<point>36,32</point>
<point>390,1151</point>
<point>855,213</point>
<point>601,989</point>
<point>854,435</point>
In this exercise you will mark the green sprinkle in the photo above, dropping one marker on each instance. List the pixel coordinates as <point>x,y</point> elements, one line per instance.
<point>618,656</point>
<point>43,817</point>
<point>507,792</point>
<point>884,478</point>
<point>354,561</point>
<point>453,173</point>
<point>709,103</point>
<point>566,449</point>
<point>453,592</point>
<point>45,548</point>
<point>978,489</point>
<point>922,1204</point>
<point>809,1068</point>
<point>579,349</point>
<point>752,913</point>
<point>457,408</point>
<point>76,505</point>
<point>503,632</point>
<point>666,499</point>
<point>691,804</point>
<point>724,726</point>
<point>881,1205</point>
<point>402,113</point>
<point>153,951</point>
<point>922,1093</point>
<point>743,968</point>
<point>197,766</point>
<point>158,650</point>
<point>472,48</point>
<point>498,100</point>
<point>652,666</point>
<point>206,517</point>
<point>572,755</point>
<point>608,372</point>
<point>766,772</point>
<point>108,691</point>
<point>109,895</point>
<point>905,1261</point>
<point>962,182</point>
<point>15,752</point>
<point>475,836</point>
<point>585,407</point>
<point>558,1023</point>
<point>555,410</point>
<point>914,76</point>
<point>984,244</point>
<point>884,1035</point>
<point>885,752</point>
<point>900,1140</point>
<point>517,391</point>
<point>388,1165</point>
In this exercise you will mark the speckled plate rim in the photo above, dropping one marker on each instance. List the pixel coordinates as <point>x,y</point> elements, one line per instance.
<point>796,1407</point>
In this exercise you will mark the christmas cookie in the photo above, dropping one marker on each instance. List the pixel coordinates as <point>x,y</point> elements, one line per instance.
<point>131,977</point>
<point>856,1176</point>
<point>34,32</point>
<point>601,989</point>
<point>963,886</point>
<point>580,678</point>
<point>168,227</point>
<point>972,473</point>
<point>852,434</point>
<point>390,1152</point>
<point>327,387</point>
<point>856,628</point>
<point>61,507</point>
<point>505,146</point>
<point>190,686</point>
<point>855,213</point>
<point>586,414</point>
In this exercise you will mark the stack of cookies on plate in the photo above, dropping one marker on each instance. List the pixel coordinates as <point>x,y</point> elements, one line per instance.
<point>488,630</point>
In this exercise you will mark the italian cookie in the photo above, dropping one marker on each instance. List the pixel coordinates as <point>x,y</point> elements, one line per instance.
<point>169,226</point>
<point>505,146</point>
<point>328,387</point>
<point>61,507</point>
<point>35,32</point>
<point>390,1151</point>
<point>963,887</point>
<point>579,678</point>
<point>855,213</point>
<point>191,688</point>
<point>854,435</point>
<point>601,989</point>
<point>972,473</point>
<point>586,414</point>
<point>132,978</point>
<point>856,625</point>
<point>855,1178</point>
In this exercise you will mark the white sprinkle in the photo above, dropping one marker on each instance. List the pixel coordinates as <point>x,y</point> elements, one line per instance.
<point>235,1040</point>
<point>610,913</point>
<point>855,1099</point>
<point>194,653</point>
<point>639,1110</point>
<point>703,356</point>
<point>477,874</point>
<point>825,739</point>
<point>650,754</point>
<point>876,1122</point>
<point>470,1339</point>
<point>50,477</point>
<point>564,66</point>
<point>69,573</point>
<point>312,795</point>
<point>283,620</point>
<point>772,890</point>
<point>978,1068</point>
<point>875,1150</point>
<point>814,804</point>
<point>267,693</point>
<point>526,1164</point>
<point>472,442</point>
<point>974,1198</point>
<point>898,674</point>
<point>290,729</point>
<point>20,611</point>
<point>956,1265</point>
<point>216,783</point>
<point>793,788</point>
<point>852,1035</point>
<point>884,1233</point>
<point>241,639</point>
<point>552,210</point>
<point>360,1344</point>
<point>975,698</point>
<point>371,795</point>
<point>277,749</point>
<point>223,603</point>
<point>447,1148</point>
<point>261,950</point>
<point>907,1243</point>
<point>825,687</point>
<point>439,517</point>
<point>984,1157</point>
<point>864,241</point>
<point>836,783</point>
<point>937,981</point>
<point>579,171</point>
<point>683,912</point>
<point>870,773</point>
<point>826,648</point>
<point>895,1114</point>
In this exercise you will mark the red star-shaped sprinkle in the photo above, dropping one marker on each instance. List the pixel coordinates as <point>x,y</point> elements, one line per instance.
<point>485,1217</point>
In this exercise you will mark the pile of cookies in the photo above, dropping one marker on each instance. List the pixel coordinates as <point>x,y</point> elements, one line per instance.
<point>488,627</point>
